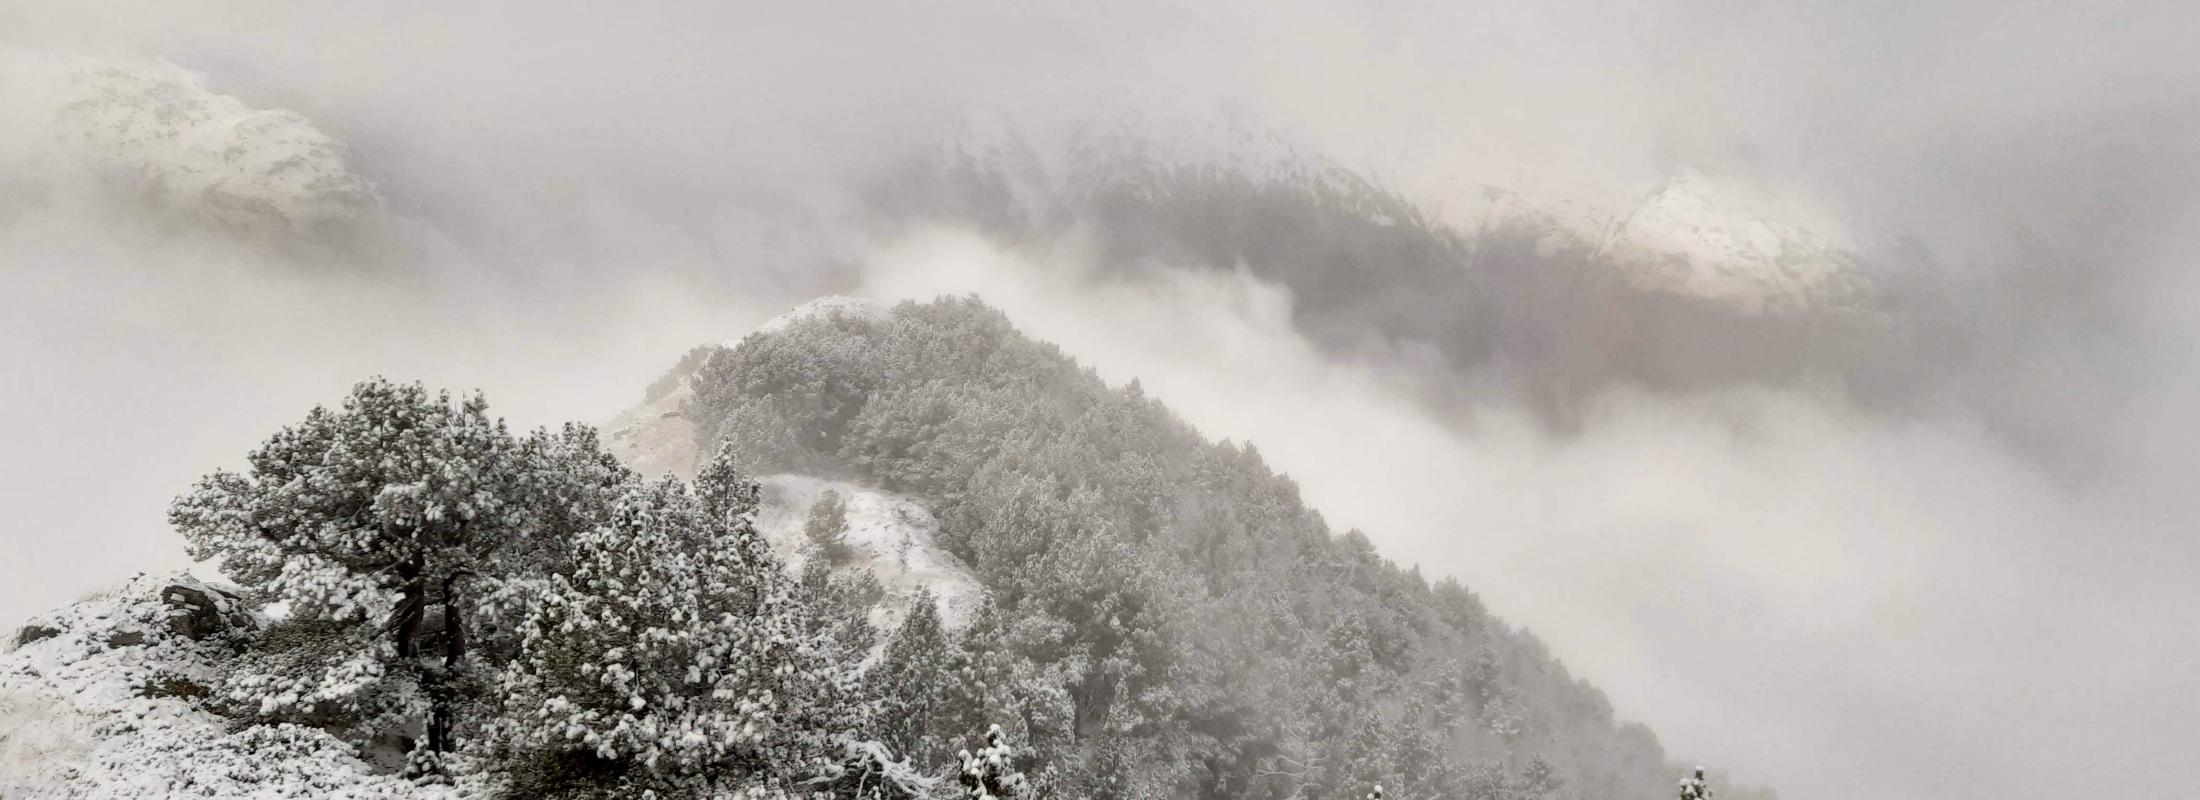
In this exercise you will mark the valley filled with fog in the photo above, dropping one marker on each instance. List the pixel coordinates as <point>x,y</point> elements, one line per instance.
<point>1814,385</point>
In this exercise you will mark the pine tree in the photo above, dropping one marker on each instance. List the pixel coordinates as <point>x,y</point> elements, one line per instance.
<point>912,679</point>
<point>676,649</point>
<point>991,772</point>
<point>373,523</point>
<point>867,770</point>
<point>827,528</point>
<point>1695,787</point>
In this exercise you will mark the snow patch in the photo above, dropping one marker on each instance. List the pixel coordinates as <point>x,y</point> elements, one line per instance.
<point>892,536</point>
<point>1694,236</point>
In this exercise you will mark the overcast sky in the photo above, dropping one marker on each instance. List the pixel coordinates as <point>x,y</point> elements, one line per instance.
<point>1832,600</point>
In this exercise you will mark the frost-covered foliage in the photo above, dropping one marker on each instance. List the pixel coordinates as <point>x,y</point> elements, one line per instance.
<point>676,644</point>
<point>1164,616</point>
<point>991,772</point>
<point>1694,787</point>
<point>867,770</point>
<point>364,519</point>
<point>828,528</point>
<point>521,614</point>
<point>911,677</point>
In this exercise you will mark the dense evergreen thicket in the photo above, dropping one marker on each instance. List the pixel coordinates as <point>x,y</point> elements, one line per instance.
<point>521,615</point>
<point>1166,618</point>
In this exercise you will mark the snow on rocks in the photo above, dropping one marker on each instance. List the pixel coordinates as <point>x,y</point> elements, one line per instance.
<point>1694,236</point>
<point>1724,240</point>
<point>101,700</point>
<point>157,131</point>
<point>889,534</point>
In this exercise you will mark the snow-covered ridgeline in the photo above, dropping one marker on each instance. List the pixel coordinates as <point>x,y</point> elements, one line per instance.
<point>155,130</point>
<point>1696,235</point>
<point>821,308</point>
<point>891,535</point>
<point>1722,237</point>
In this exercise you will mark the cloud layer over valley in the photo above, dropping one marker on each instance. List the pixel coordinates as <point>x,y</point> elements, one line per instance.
<point>1915,527</point>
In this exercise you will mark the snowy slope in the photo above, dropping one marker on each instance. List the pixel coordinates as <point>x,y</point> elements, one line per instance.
<point>1717,239</point>
<point>95,702</point>
<point>656,437</point>
<point>1694,236</point>
<point>891,535</point>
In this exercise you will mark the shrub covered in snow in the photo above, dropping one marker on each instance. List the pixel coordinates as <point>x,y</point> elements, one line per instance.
<point>676,646</point>
<point>991,772</point>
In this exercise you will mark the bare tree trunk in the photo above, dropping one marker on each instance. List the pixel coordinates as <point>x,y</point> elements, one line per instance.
<point>454,627</point>
<point>412,608</point>
<point>405,619</point>
<point>442,718</point>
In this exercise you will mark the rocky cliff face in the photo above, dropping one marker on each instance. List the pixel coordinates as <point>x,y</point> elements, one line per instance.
<point>153,132</point>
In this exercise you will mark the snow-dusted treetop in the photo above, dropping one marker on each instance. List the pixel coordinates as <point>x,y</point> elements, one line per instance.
<point>824,307</point>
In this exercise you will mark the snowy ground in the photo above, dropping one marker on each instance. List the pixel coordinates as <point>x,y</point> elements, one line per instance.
<point>891,535</point>
<point>654,438</point>
<point>94,704</point>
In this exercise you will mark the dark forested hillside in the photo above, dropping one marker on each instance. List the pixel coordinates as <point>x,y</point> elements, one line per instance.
<point>1556,305</point>
<point>1166,617</point>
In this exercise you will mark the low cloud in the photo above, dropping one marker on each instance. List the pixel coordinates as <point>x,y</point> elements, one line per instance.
<point>1808,593</point>
<point>1974,598</point>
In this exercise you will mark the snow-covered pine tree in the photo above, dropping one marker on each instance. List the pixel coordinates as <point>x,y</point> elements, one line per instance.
<point>827,528</point>
<point>1695,787</point>
<point>991,772</point>
<point>911,679</point>
<point>839,606</point>
<point>373,523</point>
<point>674,654</point>
<point>867,770</point>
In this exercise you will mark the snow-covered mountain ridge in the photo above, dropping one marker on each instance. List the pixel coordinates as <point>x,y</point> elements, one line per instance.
<point>892,536</point>
<point>154,130</point>
<point>1694,236</point>
<point>1716,237</point>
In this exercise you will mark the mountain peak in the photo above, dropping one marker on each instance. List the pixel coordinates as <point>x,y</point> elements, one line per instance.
<point>1699,236</point>
<point>827,307</point>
